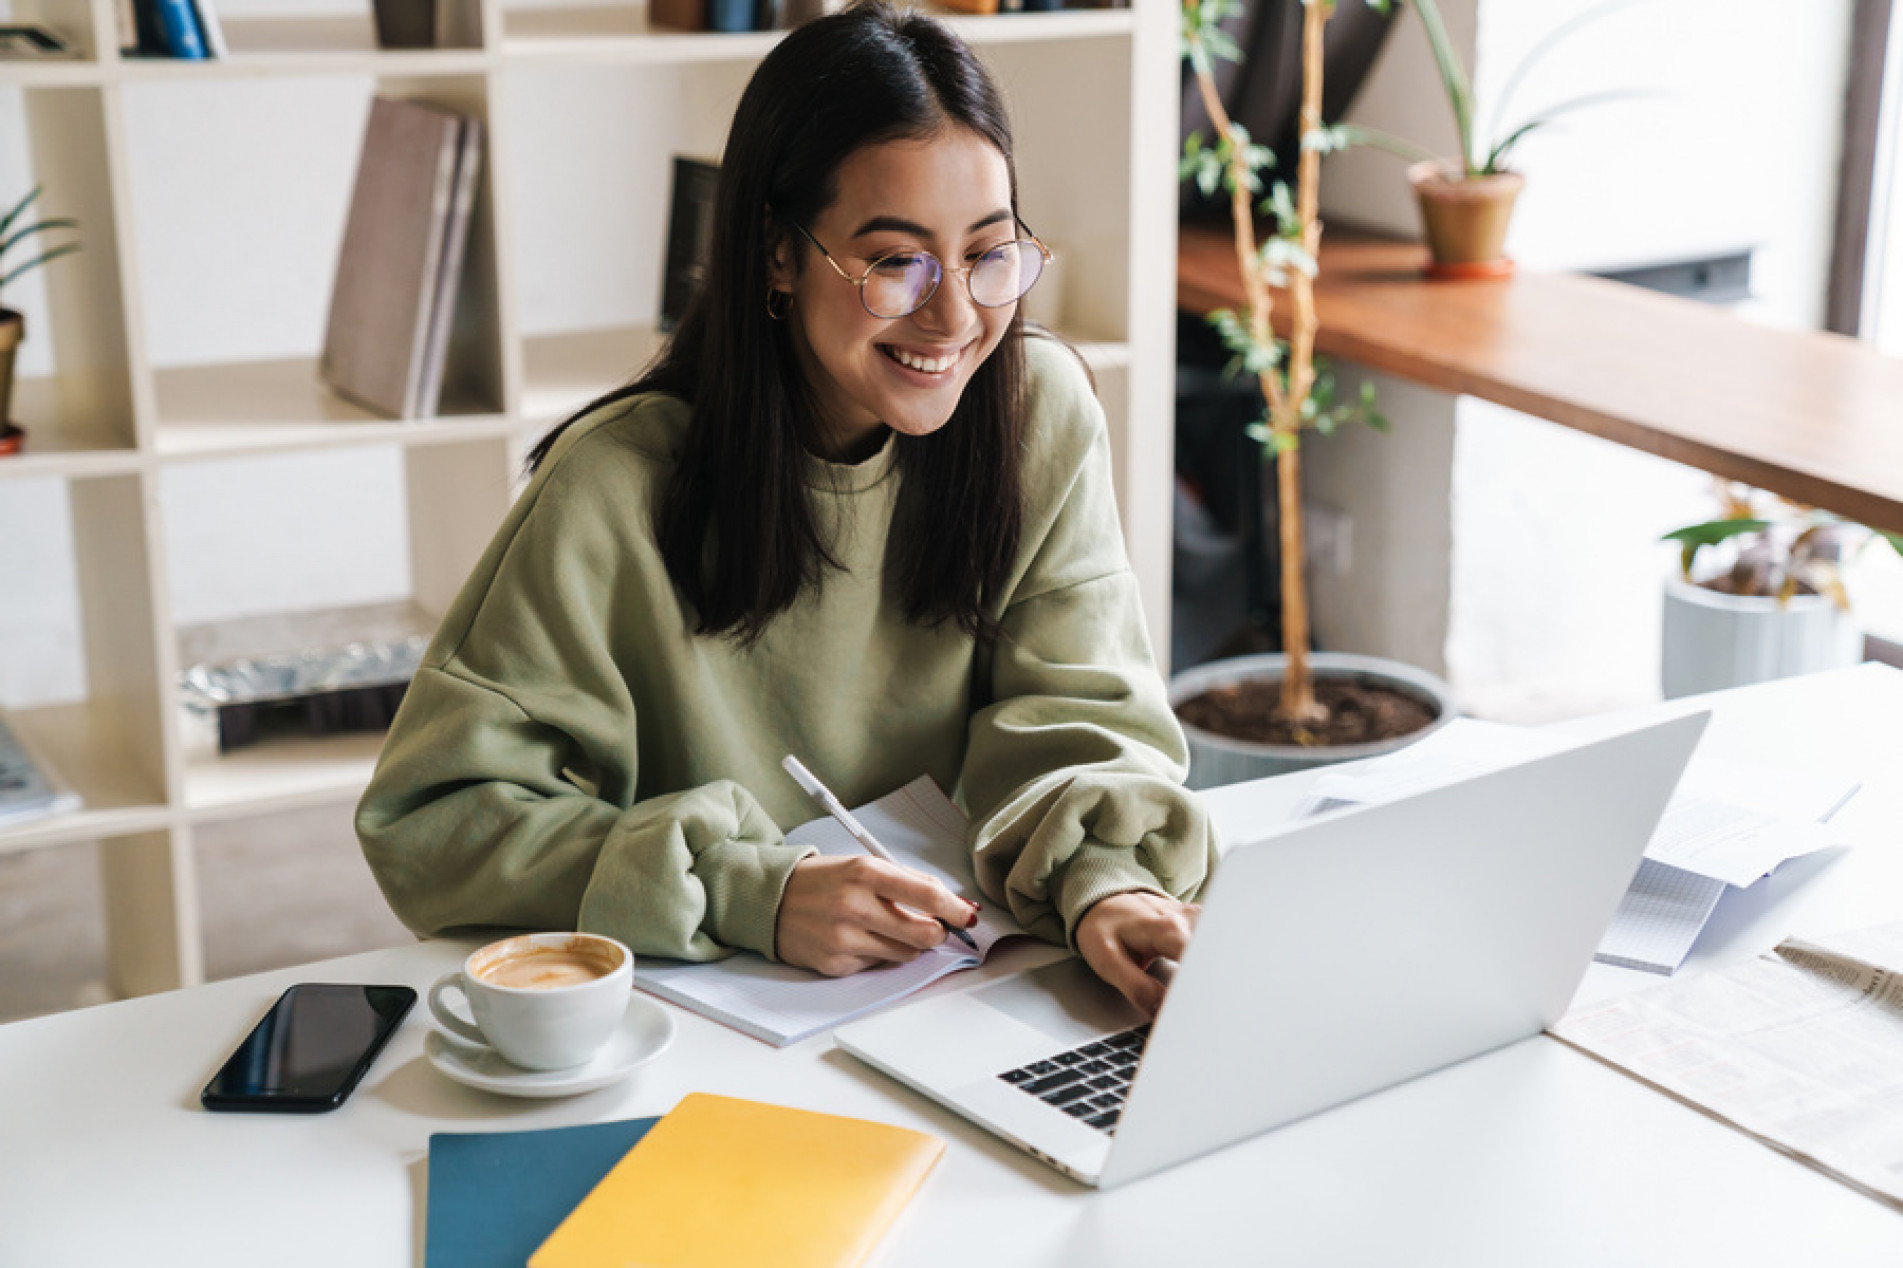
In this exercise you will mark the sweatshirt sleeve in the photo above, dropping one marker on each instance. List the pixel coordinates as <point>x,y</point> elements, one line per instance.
<point>1073,773</point>
<point>506,792</point>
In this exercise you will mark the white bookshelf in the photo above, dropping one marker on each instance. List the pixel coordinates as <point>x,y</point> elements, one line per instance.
<point>1093,97</point>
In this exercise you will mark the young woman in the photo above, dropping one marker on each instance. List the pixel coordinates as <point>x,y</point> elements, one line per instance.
<point>852,513</point>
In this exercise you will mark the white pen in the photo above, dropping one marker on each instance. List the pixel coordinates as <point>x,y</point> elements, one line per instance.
<point>834,807</point>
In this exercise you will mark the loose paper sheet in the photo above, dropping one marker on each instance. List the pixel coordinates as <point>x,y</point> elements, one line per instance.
<point>1802,1048</point>
<point>1727,824</point>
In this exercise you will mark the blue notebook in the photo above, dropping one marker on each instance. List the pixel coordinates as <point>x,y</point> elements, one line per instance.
<point>482,1210</point>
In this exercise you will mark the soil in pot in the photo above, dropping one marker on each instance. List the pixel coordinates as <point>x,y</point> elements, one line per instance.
<point>1359,712</point>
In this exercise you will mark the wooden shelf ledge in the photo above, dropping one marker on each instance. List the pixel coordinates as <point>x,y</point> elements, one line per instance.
<point>1815,417</point>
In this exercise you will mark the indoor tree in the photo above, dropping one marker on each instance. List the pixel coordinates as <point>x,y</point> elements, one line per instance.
<point>1295,395</point>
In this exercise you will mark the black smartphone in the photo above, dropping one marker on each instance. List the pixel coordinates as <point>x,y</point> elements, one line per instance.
<point>310,1050</point>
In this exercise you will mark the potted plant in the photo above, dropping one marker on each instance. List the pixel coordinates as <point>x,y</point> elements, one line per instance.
<point>14,240</point>
<point>1258,715</point>
<point>1467,203</point>
<point>1759,594</point>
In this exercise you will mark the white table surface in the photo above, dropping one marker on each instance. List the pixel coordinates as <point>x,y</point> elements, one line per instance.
<point>1530,1155</point>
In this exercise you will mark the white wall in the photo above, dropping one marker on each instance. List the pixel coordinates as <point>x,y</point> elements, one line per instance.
<point>1553,568</point>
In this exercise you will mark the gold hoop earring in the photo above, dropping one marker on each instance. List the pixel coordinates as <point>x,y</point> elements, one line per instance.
<point>778,312</point>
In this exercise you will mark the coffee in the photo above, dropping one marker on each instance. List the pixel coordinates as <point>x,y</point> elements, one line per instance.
<point>542,1001</point>
<point>545,968</point>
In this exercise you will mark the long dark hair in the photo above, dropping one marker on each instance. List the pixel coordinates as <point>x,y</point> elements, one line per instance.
<point>735,524</point>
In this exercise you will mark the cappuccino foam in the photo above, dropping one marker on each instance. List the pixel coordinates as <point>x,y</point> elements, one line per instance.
<point>544,968</point>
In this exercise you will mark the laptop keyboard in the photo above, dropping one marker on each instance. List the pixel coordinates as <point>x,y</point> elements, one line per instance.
<point>1088,1083</point>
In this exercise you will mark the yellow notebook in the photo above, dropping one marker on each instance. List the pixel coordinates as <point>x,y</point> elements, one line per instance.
<point>722,1182</point>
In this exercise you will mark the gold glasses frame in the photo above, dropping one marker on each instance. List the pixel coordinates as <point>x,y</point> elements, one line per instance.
<point>943,269</point>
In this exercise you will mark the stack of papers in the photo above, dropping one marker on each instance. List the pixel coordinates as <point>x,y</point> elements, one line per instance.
<point>1727,825</point>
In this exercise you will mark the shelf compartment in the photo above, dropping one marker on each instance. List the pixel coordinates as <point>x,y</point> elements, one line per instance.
<point>80,750</point>
<point>304,44</point>
<point>563,372</point>
<point>261,406</point>
<point>59,443</point>
<point>75,377</point>
<point>232,385</point>
<point>281,774</point>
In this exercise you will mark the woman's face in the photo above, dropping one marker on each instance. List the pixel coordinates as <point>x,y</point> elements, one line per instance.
<point>949,194</point>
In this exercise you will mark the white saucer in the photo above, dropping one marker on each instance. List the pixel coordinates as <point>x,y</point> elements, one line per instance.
<point>644,1034</point>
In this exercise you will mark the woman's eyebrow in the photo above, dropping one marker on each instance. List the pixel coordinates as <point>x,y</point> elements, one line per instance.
<point>896,224</point>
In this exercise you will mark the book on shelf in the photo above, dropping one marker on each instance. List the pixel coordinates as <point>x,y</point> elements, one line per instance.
<point>442,320</point>
<point>678,15</point>
<point>690,230</point>
<point>723,1181</point>
<point>211,29</point>
<point>409,213</point>
<point>180,35</point>
<point>28,788</point>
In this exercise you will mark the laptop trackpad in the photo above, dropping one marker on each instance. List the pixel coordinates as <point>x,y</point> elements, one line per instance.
<point>1065,1000</point>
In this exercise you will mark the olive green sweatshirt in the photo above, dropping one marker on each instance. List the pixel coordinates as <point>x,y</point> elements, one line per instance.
<point>571,756</point>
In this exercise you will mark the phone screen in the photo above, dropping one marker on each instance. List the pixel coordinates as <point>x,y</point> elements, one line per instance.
<point>310,1050</point>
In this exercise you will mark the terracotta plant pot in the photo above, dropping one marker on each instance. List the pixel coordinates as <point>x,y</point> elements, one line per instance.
<point>1465,218</point>
<point>1215,760</point>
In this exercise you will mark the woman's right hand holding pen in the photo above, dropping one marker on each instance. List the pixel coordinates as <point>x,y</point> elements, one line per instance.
<point>840,914</point>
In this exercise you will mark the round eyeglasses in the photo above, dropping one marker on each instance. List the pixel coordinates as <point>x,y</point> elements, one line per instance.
<point>900,284</point>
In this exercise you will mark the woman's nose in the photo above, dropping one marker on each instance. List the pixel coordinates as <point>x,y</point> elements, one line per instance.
<point>950,309</point>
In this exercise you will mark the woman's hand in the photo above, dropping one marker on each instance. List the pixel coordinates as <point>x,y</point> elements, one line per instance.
<point>1120,935</point>
<point>840,914</point>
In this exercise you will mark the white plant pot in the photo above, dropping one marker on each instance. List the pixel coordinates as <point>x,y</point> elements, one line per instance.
<point>1215,760</point>
<point>1712,641</point>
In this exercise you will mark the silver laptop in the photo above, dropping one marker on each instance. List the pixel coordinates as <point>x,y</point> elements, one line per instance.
<point>1335,956</point>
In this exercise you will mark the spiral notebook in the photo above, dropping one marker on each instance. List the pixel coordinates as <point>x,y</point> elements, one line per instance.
<point>781,1004</point>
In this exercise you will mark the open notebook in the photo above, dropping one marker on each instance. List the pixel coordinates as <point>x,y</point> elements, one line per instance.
<point>782,1004</point>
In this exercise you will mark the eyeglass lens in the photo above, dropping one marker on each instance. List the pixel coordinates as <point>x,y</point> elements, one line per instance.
<point>900,285</point>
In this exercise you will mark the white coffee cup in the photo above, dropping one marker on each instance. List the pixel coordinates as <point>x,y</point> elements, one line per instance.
<point>543,1001</point>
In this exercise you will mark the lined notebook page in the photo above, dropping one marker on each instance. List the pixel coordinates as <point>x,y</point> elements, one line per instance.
<point>781,1004</point>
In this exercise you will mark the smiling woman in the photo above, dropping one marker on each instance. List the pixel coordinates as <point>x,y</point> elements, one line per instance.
<point>852,513</point>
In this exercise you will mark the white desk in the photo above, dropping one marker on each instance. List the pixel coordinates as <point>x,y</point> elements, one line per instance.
<point>1531,1155</point>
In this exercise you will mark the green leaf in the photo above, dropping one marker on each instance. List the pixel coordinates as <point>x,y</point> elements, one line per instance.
<point>1497,157</point>
<point>1259,432</point>
<point>18,209</point>
<point>7,243</point>
<point>1714,532</point>
<point>1281,204</point>
<point>1452,77</point>
<point>1284,442</point>
<point>1344,136</point>
<point>1551,40</point>
<point>1376,419</point>
<point>1895,540</point>
<point>1221,44</point>
<point>30,265</point>
<point>1280,255</point>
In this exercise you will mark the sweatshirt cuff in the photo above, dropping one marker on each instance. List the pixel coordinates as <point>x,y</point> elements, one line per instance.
<point>744,881</point>
<point>1093,873</point>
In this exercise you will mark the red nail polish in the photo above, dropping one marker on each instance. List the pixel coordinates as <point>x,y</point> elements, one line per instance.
<point>974,917</point>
